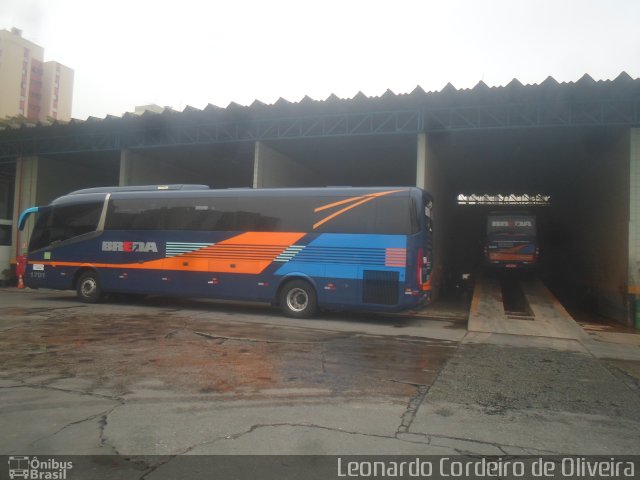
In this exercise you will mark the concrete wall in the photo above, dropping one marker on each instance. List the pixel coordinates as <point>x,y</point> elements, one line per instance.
<point>593,218</point>
<point>222,166</point>
<point>138,169</point>
<point>273,169</point>
<point>58,176</point>
<point>634,214</point>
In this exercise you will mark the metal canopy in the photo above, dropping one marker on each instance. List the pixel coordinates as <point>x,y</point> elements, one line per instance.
<point>549,104</point>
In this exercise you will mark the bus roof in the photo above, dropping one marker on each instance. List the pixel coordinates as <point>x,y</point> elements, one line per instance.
<point>140,188</point>
<point>188,191</point>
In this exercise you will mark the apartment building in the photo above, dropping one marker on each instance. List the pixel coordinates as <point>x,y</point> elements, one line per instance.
<point>29,86</point>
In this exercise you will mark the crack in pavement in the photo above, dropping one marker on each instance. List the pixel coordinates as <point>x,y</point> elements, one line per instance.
<point>152,468</point>
<point>102,414</point>
<point>402,434</point>
<point>429,440</point>
<point>258,426</point>
<point>435,436</point>
<point>630,381</point>
<point>67,390</point>
<point>255,340</point>
<point>421,394</point>
<point>412,408</point>
<point>52,310</point>
<point>104,441</point>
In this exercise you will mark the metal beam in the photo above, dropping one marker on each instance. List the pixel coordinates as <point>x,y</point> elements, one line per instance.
<point>519,115</point>
<point>348,124</point>
<point>115,135</point>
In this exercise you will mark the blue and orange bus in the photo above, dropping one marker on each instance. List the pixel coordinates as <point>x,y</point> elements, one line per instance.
<point>511,240</point>
<point>302,249</point>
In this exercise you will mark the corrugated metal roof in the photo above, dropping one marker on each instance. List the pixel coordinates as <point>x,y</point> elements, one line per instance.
<point>550,90</point>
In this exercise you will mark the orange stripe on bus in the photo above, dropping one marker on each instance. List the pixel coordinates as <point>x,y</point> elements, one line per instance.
<point>337,204</point>
<point>268,245</point>
<point>340,212</point>
<point>362,199</point>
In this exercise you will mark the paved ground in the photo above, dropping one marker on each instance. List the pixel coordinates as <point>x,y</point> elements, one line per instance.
<point>171,377</point>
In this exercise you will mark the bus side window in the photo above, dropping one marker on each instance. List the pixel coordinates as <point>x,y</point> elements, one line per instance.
<point>134,214</point>
<point>393,216</point>
<point>73,220</point>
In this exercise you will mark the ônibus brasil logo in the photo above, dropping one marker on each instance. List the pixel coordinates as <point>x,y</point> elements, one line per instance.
<point>32,468</point>
<point>142,247</point>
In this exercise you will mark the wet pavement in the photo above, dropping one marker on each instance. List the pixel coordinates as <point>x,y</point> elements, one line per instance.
<point>197,352</point>
<point>164,376</point>
<point>172,377</point>
<point>172,351</point>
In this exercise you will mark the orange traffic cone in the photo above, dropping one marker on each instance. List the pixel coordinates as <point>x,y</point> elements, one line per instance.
<point>20,282</point>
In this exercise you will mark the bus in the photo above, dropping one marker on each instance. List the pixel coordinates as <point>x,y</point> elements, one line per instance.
<point>300,248</point>
<point>511,241</point>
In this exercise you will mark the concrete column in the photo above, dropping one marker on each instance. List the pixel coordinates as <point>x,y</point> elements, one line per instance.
<point>273,169</point>
<point>25,196</point>
<point>136,169</point>
<point>421,161</point>
<point>431,177</point>
<point>634,223</point>
<point>125,166</point>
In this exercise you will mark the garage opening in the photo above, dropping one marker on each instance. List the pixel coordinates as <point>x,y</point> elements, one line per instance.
<point>388,160</point>
<point>583,230</point>
<point>219,166</point>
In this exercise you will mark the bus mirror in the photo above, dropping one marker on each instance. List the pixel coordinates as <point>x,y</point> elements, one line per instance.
<point>24,215</point>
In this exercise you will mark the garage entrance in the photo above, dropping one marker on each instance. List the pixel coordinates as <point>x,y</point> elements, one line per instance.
<point>584,230</point>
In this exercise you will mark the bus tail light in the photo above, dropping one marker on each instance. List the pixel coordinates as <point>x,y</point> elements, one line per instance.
<point>423,271</point>
<point>419,265</point>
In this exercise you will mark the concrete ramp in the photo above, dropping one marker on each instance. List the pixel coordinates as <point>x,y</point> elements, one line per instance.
<point>542,314</point>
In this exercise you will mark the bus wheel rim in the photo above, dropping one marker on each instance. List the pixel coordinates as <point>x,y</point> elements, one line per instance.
<point>297,299</point>
<point>88,287</point>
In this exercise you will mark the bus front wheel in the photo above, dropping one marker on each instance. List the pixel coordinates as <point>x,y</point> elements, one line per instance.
<point>88,288</point>
<point>298,299</point>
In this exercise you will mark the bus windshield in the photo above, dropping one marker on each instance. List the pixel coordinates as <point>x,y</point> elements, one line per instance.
<point>60,223</point>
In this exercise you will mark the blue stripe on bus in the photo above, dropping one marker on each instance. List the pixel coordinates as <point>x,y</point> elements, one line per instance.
<point>323,270</point>
<point>369,256</point>
<point>350,240</point>
<point>341,256</point>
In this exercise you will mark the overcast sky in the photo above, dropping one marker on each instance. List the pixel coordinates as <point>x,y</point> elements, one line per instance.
<point>185,52</point>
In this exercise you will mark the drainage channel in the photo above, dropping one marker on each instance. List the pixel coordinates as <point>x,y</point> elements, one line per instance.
<point>514,301</point>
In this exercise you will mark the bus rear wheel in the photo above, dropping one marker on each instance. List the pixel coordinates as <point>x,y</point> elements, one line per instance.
<point>88,288</point>
<point>298,299</point>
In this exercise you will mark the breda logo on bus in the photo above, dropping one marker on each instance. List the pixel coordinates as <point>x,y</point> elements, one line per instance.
<point>142,247</point>
<point>511,223</point>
